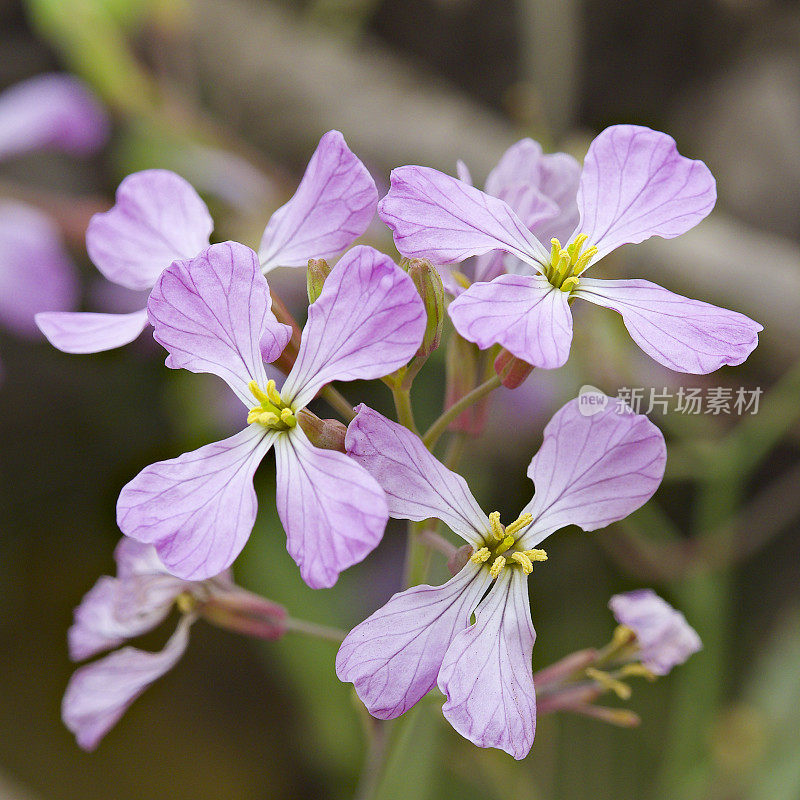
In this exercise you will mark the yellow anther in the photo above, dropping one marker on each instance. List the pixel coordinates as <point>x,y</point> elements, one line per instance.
<point>497,566</point>
<point>258,392</point>
<point>268,418</point>
<point>518,524</point>
<point>575,248</point>
<point>497,529</point>
<point>622,690</point>
<point>523,561</point>
<point>536,555</point>
<point>638,671</point>
<point>460,278</point>
<point>480,556</point>
<point>253,414</point>
<point>555,251</point>
<point>273,394</point>
<point>185,602</point>
<point>504,545</point>
<point>622,636</point>
<point>583,261</point>
<point>288,418</point>
<point>569,284</point>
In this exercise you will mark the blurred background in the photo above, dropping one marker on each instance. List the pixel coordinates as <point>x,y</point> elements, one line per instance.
<point>234,95</point>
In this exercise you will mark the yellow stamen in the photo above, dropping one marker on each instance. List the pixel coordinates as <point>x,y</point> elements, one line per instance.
<point>504,545</point>
<point>497,528</point>
<point>287,417</point>
<point>258,392</point>
<point>523,561</point>
<point>460,278</point>
<point>536,555</point>
<point>622,635</point>
<point>583,261</point>
<point>555,251</point>
<point>638,671</point>
<point>521,522</point>
<point>575,248</point>
<point>622,690</point>
<point>569,284</point>
<point>268,418</point>
<point>497,566</point>
<point>480,556</point>
<point>185,602</point>
<point>273,394</point>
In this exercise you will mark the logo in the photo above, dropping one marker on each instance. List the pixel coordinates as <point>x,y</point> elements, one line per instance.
<point>591,400</point>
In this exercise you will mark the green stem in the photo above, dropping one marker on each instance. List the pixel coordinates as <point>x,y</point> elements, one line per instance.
<point>405,412</point>
<point>417,556</point>
<point>312,629</point>
<point>339,402</point>
<point>440,425</point>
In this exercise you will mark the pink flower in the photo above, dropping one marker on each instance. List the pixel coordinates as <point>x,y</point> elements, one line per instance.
<point>590,471</point>
<point>634,185</point>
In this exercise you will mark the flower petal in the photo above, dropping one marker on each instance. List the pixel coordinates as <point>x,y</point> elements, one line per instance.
<point>333,205</point>
<point>36,272</point>
<point>198,509</point>
<point>486,673</point>
<point>212,311</point>
<point>51,111</point>
<point>417,486</point>
<point>101,692</point>
<point>157,218</point>
<point>333,511</point>
<point>368,322</point>
<point>393,656</point>
<point>523,313</point>
<point>593,468</point>
<point>682,334</point>
<point>443,219</point>
<point>664,636</point>
<point>87,332</point>
<point>636,185</point>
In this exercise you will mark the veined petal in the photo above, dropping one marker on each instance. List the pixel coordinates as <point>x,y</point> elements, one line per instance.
<point>333,205</point>
<point>51,111</point>
<point>445,220</point>
<point>392,657</point>
<point>682,334</point>
<point>486,673</point>
<point>592,469</point>
<point>523,313</point>
<point>99,693</point>
<point>198,509</point>
<point>333,511</point>
<point>636,185</point>
<point>157,218</point>
<point>87,332</point>
<point>211,313</point>
<point>368,322</point>
<point>417,486</point>
<point>36,272</point>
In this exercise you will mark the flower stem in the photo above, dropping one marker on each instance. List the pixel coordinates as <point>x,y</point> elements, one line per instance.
<point>440,425</point>
<point>312,629</point>
<point>417,556</point>
<point>339,402</point>
<point>405,413</point>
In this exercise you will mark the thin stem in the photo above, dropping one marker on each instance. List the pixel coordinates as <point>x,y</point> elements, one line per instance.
<point>436,542</point>
<point>417,556</point>
<point>312,629</point>
<point>455,449</point>
<point>440,426</point>
<point>405,412</point>
<point>375,760</point>
<point>339,402</point>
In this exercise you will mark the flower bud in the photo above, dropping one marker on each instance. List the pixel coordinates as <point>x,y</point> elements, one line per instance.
<point>244,612</point>
<point>316,273</point>
<point>429,285</point>
<point>512,370</point>
<point>327,434</point>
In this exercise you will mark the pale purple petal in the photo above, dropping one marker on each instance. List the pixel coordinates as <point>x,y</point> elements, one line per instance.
<point>665,637</point>
<point>333,511</point>
<point>489,266</point>
<point>99,693</point>
<point>51,111</point>
<point>417,486</point>
<point>87,332</point>
<point>682,334</point>
<point>135,558</point>
<point>157,218</point>
<point>636,185</point>
<point>212,312</point>
<point>36,272</point>
<point>198,509</point>
<point>463,173</point>
<point>333,205</point>
<point>368,322</point>
<point>445,220</point>
<point>486,673</point>
<point>393,656</point>
<point>523,313</point>
<point>593,468</point>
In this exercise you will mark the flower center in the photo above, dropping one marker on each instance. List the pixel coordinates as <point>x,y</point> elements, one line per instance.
<point>273,411</point>
<point>500,545</point>
<point>566,265</point>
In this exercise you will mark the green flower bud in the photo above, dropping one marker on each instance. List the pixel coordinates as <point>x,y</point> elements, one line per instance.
<point>316,273</point>
<point>429,285</point>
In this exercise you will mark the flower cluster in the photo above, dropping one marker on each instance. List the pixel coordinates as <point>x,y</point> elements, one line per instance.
<point>210,306</point>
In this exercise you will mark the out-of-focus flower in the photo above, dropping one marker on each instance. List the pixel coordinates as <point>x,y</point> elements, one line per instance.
<point>590,471</point>
<point>664,637</point>
<point>137,600</point>
<point>51,111</point>
<point>212,313</point>
<point>541,188</point>
<point>159,218</point>
<point>634,185</point>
